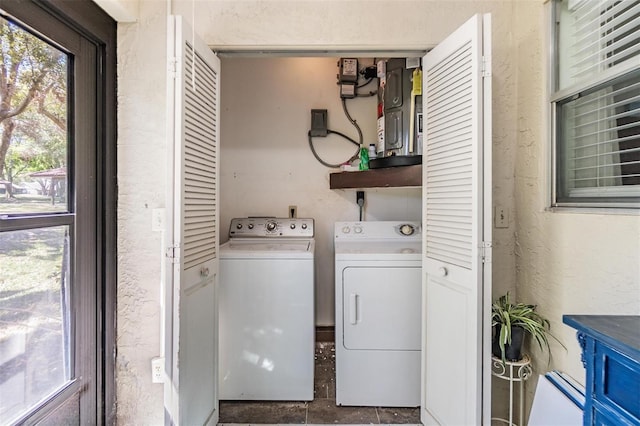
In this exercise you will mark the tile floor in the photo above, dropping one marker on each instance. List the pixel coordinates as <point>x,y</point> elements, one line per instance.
<point>322,410</point>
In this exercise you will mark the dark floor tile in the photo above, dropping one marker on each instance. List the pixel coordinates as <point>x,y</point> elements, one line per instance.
<point>325,371</point>
<point>324,385</point>
<point>325,352</point>
<point>390,415</point>
<point>324,390</point>
<point>321,387</point>
<point>262,412</point>
<point>323,411</point>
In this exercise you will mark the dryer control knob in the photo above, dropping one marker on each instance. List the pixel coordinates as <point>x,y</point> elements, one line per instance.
<point>292,226</point>
<point>271,226</point>
<point>304,226</point>
<point>250,226</point>
<point>239,226</point>
<point>357,229</point>
<point>443,271</point>
<point>407,229</point>
<point>346,229</point>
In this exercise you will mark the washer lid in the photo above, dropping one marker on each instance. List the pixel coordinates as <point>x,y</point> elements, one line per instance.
<point>268,248</point>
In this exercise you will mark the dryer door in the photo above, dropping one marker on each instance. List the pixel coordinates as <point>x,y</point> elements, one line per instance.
<point>381,308</point>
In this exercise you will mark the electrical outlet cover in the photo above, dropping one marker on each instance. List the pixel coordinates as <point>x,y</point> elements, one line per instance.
<point>157,370</point>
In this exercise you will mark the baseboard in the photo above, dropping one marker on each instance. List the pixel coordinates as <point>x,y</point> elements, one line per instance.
<point>325,334</point>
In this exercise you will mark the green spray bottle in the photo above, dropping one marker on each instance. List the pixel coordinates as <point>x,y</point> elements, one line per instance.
<point>364,158</point>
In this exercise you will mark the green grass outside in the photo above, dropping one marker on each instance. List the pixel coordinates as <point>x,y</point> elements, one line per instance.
<point>30,305</point>
<point>30,260</point>
<point>22,203</point>
<point>30,272</point>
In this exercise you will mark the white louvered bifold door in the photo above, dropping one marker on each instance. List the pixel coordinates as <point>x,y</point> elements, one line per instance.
<point>191,395</point>
<point>456,199</point>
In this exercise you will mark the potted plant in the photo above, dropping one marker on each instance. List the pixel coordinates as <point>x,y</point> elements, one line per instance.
<point>511,321</point>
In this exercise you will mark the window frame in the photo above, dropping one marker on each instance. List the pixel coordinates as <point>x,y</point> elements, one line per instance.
<point>554,98</point>
<point>99,29</point>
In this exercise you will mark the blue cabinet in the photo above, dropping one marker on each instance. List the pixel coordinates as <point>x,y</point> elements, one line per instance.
<point>611,356</point>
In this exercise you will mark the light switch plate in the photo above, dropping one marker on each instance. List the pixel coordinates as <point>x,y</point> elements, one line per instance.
<point>157,219</point>
<point>501,217</point>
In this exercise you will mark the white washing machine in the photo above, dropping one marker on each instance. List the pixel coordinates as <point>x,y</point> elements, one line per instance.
<point>378,313</point>
<point>267,331</point>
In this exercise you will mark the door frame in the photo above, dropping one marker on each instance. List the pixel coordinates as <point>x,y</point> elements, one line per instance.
<point>85,17</point>
<point>485,204</point>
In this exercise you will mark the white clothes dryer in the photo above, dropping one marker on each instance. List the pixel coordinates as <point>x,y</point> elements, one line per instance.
<point>378,313</point>
<point>267,330</point>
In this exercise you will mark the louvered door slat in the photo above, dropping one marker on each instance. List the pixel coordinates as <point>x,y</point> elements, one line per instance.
<point>198,161</point>
<point>204,172</point>
<point>452,98</point>
<point>458,149</point>
<point>454,131</point>
<point>457,122</point>
<point>200,183</point>
<point>449,164</point>
<point>444,178</point>
<point>194,118</point>
<point>453,234</point>
<point>450,110</point>
<point>198,133</point>
<point>444,74</point>
<point>199,137</point>
<point>198,112</point>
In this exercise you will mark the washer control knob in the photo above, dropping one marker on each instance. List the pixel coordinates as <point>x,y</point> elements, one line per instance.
<point>346,230</point>
<point>407,229</point>
<point>304,226</point>
<point>443,271</point>
<point>250,226</point>
<point>357,229</point>
<point>271,226</point>
<point>293,226</point>
<point>239,226</point>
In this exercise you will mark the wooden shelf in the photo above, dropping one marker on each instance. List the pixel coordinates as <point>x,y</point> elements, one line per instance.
<point>389,177</point>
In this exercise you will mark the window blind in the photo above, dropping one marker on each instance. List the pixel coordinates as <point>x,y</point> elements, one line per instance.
<point>598,129</point>
<point>605,33</point>
<point>602,134</point>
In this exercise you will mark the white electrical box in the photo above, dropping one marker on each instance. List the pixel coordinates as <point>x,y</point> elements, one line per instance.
<point>348,70</point>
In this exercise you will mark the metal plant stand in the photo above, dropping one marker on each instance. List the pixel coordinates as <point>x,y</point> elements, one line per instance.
<point>513,372</point>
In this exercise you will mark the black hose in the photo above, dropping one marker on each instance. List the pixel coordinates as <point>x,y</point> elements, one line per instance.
<point>324,163</point>
<point>366,95</point>
<point>346,112</point>
<point>365,83</point>
<point>344,136</point>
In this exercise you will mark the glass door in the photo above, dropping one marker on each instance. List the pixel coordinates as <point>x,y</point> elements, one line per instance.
<point>48,228</point>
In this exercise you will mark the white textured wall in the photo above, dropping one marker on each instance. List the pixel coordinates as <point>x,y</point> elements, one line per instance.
<point>293,25</point>
<point>141,188</point>
<point>567,262</point>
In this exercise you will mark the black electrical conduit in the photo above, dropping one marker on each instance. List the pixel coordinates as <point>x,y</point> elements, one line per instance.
<point>324,163</point>
<point>346,112</point>
<point>358,144</point>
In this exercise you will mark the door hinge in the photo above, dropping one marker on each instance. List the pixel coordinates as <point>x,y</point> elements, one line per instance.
<point>173,253</point>
<point>486,66</point>
<point>486,251</point>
